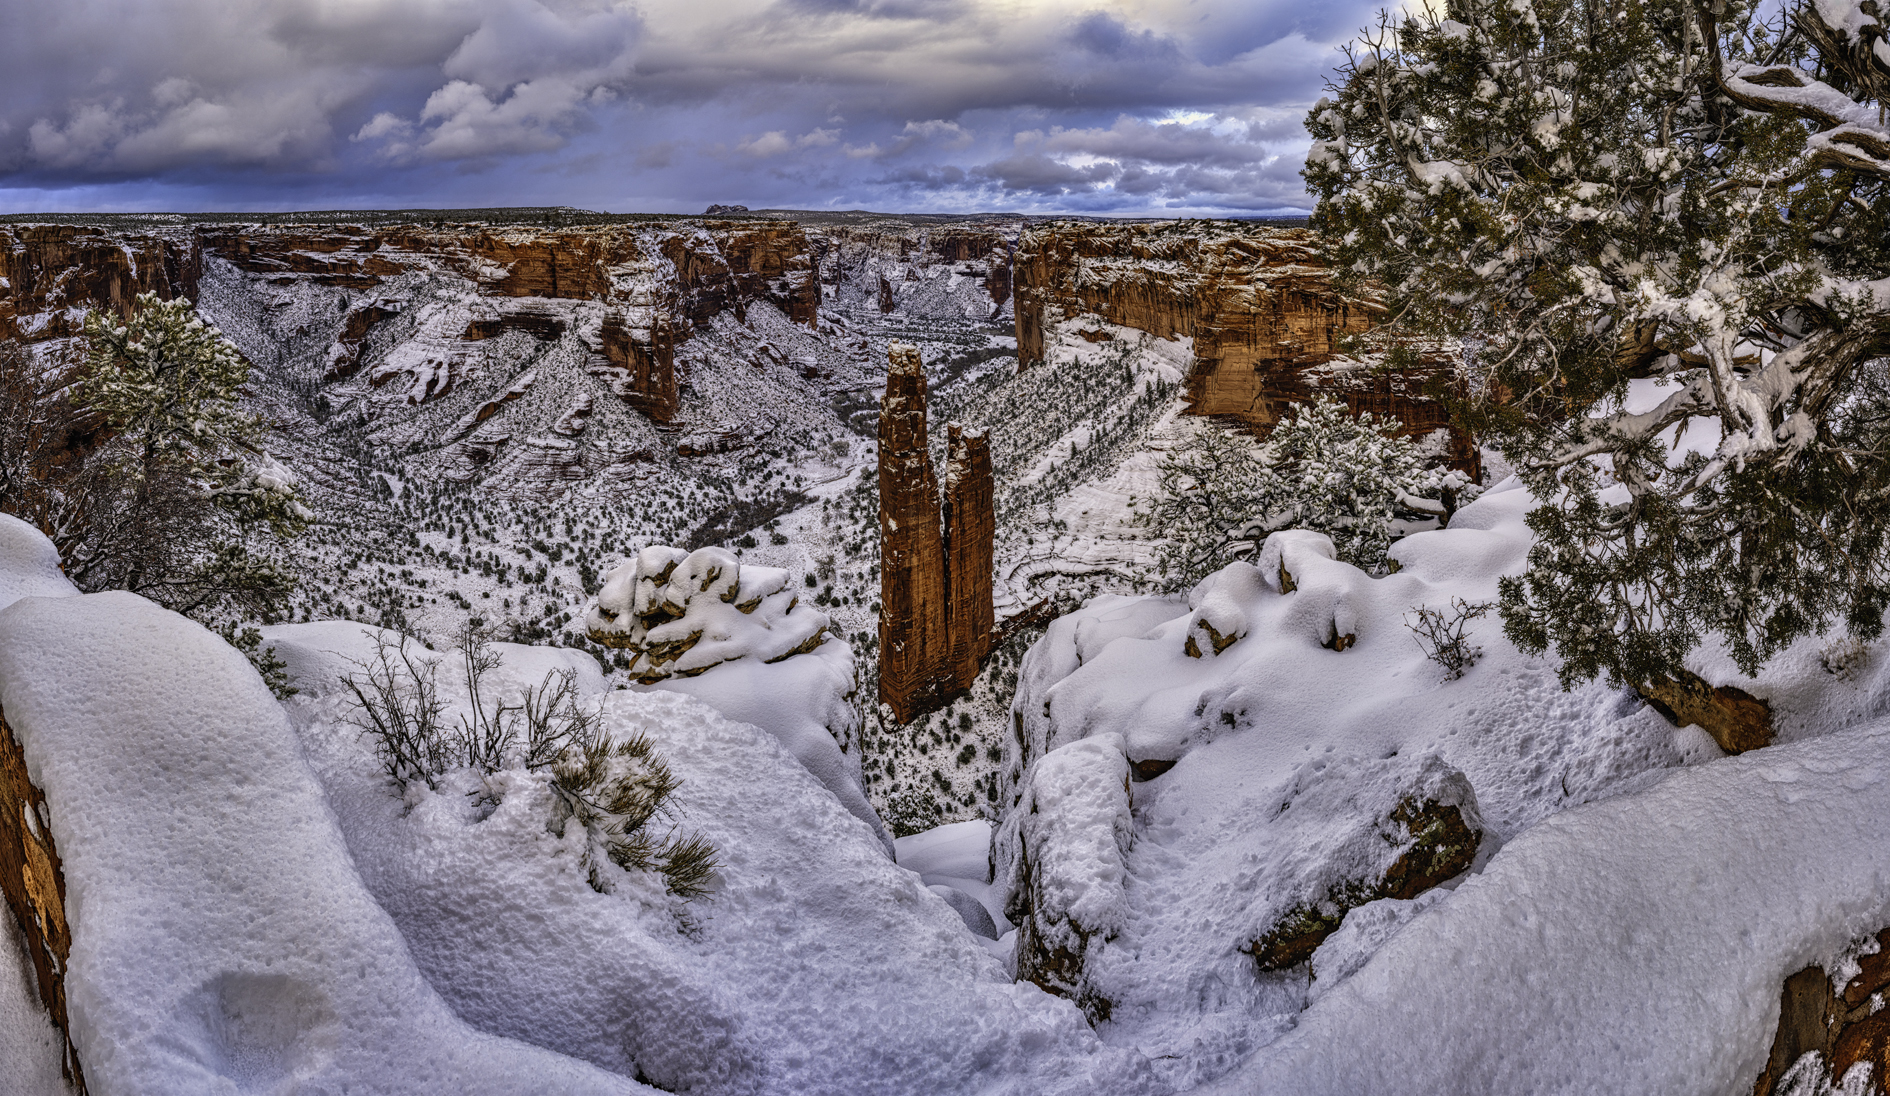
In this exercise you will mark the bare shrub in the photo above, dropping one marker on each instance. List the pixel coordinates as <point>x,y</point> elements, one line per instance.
<point>397,703</point>
<point>616,789</point>
<point>1441,635</point>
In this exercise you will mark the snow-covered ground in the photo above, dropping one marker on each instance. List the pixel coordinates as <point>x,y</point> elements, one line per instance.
<point>1637,898</point>
<point>256,908</point>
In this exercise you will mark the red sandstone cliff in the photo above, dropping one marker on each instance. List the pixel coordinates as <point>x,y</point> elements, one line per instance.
<point>55,273</point>
<point>1259,303</point>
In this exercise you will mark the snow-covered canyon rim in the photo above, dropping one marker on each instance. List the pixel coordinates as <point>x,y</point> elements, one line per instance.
<point>1244,837</point>
<point>1635,903</point>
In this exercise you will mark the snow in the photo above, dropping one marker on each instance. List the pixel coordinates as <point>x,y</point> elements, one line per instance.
<point>29,564</point>
<point>222,939</point>
<point>1210,856</point>
<point>806,703</point>
<point>254,909</point>
<point>956,857</point>
<point>682,612</point>
<point>815,966</point>
<point>30,1045</point>
<point>1636,945</point>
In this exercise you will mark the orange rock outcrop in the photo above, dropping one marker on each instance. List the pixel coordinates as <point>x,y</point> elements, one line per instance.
<point>55,273</point>
<point>936,615</point>
<point>1259,302</point>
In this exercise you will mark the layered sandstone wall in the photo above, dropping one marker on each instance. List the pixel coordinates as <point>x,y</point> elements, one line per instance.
<point>656,284</point>
<point>1267,321</point>
<point>55,273</point>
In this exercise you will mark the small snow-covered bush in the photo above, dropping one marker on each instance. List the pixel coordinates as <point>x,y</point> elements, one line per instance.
<point>616,789</point>
<point>1844,658</point>
<point>1322,468</point>
<point>1442,636</point>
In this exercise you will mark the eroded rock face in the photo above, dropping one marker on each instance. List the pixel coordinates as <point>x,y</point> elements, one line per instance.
<point>936,616</point>
<point>56,272</point>
<point>1384,829</point>
<point>1258,302</point>
<point>898,264</point>
<point>1826,1032</point>
<point>34,886</point>
<point>680,613</point>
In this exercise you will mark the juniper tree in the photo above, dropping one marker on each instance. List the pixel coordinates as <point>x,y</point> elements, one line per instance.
<point>142,467</point>
<point>1680,193</point>
<point>1321,468</point>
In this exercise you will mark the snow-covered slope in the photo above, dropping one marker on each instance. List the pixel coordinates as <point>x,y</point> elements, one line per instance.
<point>255,908</point>
<point>223,941</point>
<point>1632,945</point>
<point>1256,760</point>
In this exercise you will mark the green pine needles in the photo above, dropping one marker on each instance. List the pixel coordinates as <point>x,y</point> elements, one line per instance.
<point>140,464</point>
<point>616,789</point>
<point>1645,220</point>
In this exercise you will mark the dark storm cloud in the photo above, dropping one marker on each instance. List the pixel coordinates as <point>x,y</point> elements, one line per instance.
<point>1150,105</point>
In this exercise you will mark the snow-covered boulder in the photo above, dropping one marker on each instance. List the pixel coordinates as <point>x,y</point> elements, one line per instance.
<point>1355,831</point>
<point>704,624</point>
<point>1061,855</point>
<point>678,613</point>
<point>1219,603</point>
<point>1632,945</point>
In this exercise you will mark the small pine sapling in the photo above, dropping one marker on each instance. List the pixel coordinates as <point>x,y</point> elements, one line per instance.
<point>274,671</point>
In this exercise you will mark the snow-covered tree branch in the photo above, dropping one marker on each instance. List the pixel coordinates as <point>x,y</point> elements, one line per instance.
<point>1660,231</point>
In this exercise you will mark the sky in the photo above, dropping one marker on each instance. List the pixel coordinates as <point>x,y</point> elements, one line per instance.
<point>1163,107</point>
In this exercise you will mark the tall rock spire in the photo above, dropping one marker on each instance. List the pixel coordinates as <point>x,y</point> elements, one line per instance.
<point>936,613</point>
<point>970,536</point>
<point>911,546</point>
